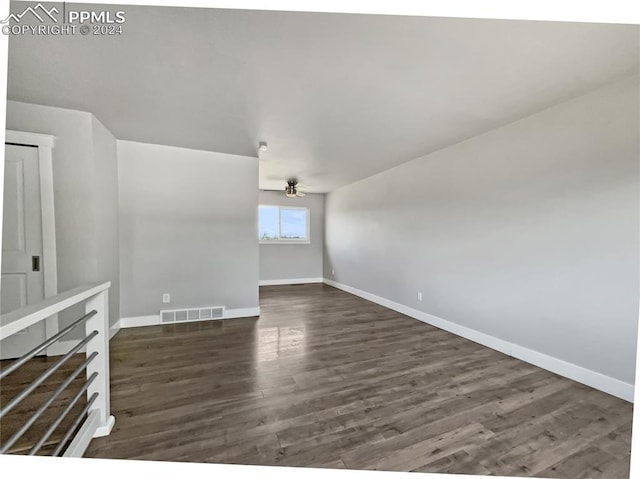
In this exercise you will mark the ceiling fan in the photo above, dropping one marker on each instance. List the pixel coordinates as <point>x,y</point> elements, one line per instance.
<point>292,190</point>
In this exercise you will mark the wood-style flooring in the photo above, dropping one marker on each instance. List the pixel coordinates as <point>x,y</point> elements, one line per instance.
<point>326,379</point>
<point>23,377</point>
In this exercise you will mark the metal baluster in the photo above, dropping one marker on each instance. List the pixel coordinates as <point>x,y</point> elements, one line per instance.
<point>19,362</point>
<point>62,415</point>
<point>34,417</point>
<point>40,379</point>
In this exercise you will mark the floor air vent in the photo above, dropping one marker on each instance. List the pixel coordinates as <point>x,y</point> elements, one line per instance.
<point>191,314</point>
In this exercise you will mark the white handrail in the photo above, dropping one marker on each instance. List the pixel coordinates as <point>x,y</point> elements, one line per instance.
<point>14,321</point>
<point>96,302</point>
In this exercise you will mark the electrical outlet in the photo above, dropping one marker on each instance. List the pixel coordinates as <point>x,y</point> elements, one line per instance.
<point>419,295</point>
<point>333,272</point>
<point>166,298</point>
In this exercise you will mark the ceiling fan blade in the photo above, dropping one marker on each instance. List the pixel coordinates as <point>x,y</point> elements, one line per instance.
<point>300,193</point>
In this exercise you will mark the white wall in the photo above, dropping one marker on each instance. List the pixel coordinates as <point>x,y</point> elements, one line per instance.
<point>85,196</point>
<point>528,233</point>
<point>188,227</point>
<point>284,262</point>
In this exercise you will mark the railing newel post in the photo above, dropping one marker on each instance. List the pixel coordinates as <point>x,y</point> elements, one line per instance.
<point>100,344</point>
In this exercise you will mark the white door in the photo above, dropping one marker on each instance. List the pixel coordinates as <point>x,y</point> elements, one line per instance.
<point>22,280</point>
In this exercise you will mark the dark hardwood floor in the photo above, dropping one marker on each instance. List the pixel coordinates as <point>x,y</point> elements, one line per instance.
<point>326,379</point>
<point>23,377</point>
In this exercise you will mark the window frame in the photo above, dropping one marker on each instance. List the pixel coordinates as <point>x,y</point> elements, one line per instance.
<point>281,240</point>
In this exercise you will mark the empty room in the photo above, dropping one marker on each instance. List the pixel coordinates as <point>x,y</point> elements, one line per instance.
<point>321,240</point>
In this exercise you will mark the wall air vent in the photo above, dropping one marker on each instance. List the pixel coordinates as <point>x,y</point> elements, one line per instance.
<point>191,314</point>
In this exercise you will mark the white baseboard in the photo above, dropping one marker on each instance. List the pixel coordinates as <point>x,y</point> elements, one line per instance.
<point>105,430</point>
<point>137,321</point>
<point>278,282</point>
<point>82,439</point>
<point>596,380</point>
<point>89,430</point>
<point>241,313</point>
<point>154,319</point>
<point>114,330</point>
<point>63,347</point>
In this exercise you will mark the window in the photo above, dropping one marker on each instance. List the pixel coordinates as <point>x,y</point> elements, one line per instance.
<point>283,224</point>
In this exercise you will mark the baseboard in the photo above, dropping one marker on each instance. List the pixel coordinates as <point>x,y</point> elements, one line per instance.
<point>63,347</point>
<point>154,319</point>
<point>241,313</point>
<point>114,330</point>
<point>596,380</point>
<point>82,439</point>
<point>138,321</point>
<point>278,282</point>
<point>105,430</point>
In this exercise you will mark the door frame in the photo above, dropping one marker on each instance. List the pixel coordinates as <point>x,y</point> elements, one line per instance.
<point>45,144</point>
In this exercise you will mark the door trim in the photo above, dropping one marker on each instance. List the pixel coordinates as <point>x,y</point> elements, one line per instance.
<point>45,144</point>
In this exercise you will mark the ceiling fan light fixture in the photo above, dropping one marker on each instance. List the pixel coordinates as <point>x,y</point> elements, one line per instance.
<point>290,191</point>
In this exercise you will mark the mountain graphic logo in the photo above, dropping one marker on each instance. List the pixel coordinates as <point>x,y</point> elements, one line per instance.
<point>34,11</point>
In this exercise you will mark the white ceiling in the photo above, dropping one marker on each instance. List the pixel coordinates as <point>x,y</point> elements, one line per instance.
<point>338,97</point>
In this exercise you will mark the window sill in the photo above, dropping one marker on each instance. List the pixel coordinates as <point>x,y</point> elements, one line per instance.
<point>284,241</point>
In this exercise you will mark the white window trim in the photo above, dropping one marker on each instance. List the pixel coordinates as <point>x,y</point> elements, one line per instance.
<point>285,240</point>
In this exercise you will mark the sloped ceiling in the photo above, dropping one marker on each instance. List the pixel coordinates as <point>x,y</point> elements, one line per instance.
<point>338,97</point>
